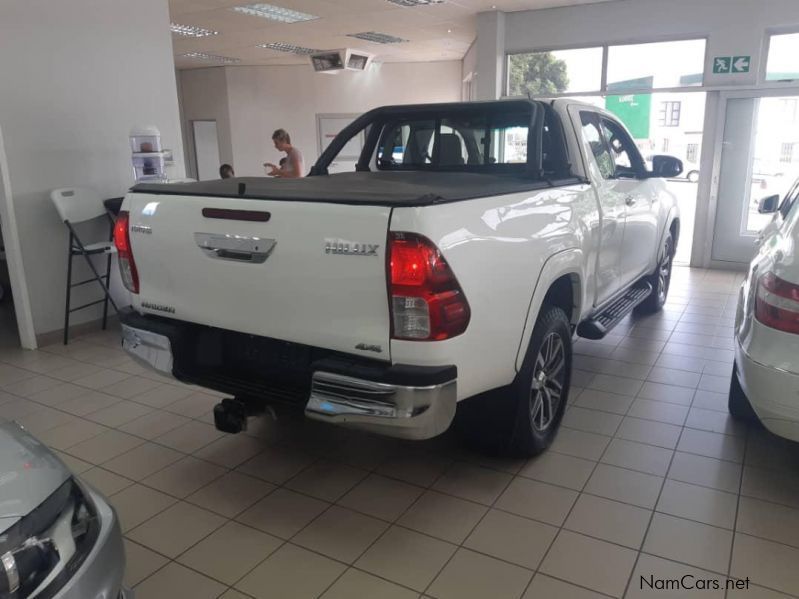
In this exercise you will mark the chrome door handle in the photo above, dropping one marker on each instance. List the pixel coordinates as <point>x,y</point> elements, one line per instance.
<point>629,200</point>
<point>254,250</point>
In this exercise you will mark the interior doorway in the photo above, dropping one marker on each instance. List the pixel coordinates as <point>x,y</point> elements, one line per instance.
<point>759,143</point>
<point>206,150</point>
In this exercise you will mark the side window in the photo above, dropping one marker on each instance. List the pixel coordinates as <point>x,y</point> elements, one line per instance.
<point>789,200</point>
<point>626,158</point>
<point>592,134</point>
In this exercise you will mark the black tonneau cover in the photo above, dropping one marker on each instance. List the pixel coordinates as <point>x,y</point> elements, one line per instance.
<point>376,188</point>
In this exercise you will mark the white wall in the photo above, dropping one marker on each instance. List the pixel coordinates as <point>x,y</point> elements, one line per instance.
<point>261,99</point>
<point>76,77</point>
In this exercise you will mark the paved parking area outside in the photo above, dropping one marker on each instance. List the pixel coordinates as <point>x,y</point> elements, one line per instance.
<point>649,480</point>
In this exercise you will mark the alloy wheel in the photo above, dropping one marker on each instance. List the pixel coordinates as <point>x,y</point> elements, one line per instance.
<point>549,375</point>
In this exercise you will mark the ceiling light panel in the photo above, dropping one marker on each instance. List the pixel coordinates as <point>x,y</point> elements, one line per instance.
<point>274,13</point>
<point>191,30</point>
<point>289,48</point>
<point>210,57</point>
<point>416,2</point>
<point>377,38</point>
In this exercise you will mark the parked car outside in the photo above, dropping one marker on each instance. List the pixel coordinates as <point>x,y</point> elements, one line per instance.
<point>59,538</point>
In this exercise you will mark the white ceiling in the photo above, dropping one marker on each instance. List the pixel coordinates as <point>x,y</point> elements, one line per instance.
<point>435,32</point>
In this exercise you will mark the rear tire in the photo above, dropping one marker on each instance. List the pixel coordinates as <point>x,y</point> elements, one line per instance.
<point>693,176</point>
<point>660,280</point>
<point>738,403</point>
<point>521,420</point>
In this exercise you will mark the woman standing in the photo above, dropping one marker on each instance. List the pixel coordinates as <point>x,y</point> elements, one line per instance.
<point>293,167</point>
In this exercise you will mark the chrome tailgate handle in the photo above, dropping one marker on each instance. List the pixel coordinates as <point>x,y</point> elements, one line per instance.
<point>239,248</point>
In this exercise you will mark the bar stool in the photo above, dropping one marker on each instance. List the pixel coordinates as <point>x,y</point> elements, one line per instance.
<point>77,205</point>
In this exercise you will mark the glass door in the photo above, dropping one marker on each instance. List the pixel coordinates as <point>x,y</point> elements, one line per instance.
<point>759,158</point>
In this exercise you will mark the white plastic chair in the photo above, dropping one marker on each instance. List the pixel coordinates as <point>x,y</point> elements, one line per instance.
<point>77,205</point>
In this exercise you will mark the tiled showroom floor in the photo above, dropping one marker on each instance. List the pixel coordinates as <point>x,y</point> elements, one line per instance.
<point>648,476</point>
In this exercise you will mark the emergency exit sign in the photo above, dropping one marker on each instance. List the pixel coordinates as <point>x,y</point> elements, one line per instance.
<point>731,64</point>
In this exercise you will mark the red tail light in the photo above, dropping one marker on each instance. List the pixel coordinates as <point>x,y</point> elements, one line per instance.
<point>127,267</point>
<point>427,303</point>
<point>777,303</point>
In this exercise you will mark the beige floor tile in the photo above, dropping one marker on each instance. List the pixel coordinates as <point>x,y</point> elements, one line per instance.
<point>71,433</point>
<point>41,419</point>
<point>283,513</point>
<point>140,563</point>
<point>363,450</point>
<point>473,483</point>
<point>406,557</point>
<point>130,387</point>
<point>689,542</point>
<point>443,516</point>
<point>712,445</point>
<point>771,485</point>
<point>470,575</point>
<point>233,594</point>
<point>356,584</point>
<point>341,534</point>
<point>10,375</point>
<point>714,421</point>
<point>418,469</point>
<point>189,437</point>
<point>708,400</point>
<point>176,529</point>
<point>764,450</point>
<point>105,446</point>
<point>589,562</point>
<point>231,450</point>
<point>766,563</point>
<point>512,538</point>
<point>698,503</point>
<point>86,404</point>
<point>154,424</point>
<point>672,376</point>
<point>638,456</point>
<point>546,587</point>
<point>580,444</point>
<point>591,421</point>
<point>747,591</point>
<point>602,400</point>
<point>184,477</point>
<point>615,384</point>
<point>75,465</point>
<point>653,573</point>
<point>650,432</point>
<point>144,460</point>
<point>101,379</point>
<point>768,520</point>
<point>701,470</point>
<point>291,572</point>
<point>660,411</point>
<point>230,552</point>
<point>625,485</point>
<point>537,500</point>
<point>176,581</point>
<point>559,469</point>
<point>28,387</point>
<point>58,394</point>
<point>74,371</point>
<point>231,494</point>
<point>327,480</point>
<point>609,520</point>
<point>119,413</point>
<point>136,504</point>
<point>667,393</point>
<point>162,396</point>
<point>104,481</point>
<point>194,405</point>
<point>381,497</point>
<point>277,464</point>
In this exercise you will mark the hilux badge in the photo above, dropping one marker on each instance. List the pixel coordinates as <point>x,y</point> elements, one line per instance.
<point>350,248</point>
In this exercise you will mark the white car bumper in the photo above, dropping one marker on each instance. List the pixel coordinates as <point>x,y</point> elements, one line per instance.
<point>769,381</point>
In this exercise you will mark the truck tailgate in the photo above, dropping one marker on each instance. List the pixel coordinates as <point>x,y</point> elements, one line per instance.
<point>313,273</point>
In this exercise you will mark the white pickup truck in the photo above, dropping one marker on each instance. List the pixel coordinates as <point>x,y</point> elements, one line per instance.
<point>452,268</point>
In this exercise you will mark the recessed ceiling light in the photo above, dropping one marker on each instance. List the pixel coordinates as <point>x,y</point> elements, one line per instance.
<point>210,57</point>
<point>274,13</point>
<point>449,30</point>
<point>290,48</point>
<point>378,38</point>
<point>191,30</point>
<point>416,2</point>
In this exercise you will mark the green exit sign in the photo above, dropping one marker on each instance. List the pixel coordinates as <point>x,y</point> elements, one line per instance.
<point>731,64</point>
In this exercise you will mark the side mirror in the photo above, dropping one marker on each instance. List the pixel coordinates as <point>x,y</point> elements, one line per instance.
<point>769,204</point>
<point>666,166</point>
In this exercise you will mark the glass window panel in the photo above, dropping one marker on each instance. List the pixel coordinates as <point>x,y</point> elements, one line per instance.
<point>560,71</point>
<point>656,65</point>
<point>782,52</point>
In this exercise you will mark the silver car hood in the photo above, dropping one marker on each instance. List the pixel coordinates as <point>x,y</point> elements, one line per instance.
<point>29,473</point>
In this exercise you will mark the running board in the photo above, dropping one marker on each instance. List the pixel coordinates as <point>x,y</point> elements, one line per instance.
<point>601,323</point>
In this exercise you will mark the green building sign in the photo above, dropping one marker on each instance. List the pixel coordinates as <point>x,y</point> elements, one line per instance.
<point>634,111</point>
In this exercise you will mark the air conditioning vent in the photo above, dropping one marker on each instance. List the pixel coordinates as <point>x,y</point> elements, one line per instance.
<point>377,38</point>
<point>333,61</point>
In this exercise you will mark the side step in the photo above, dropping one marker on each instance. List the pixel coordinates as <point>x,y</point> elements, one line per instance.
<point>601,323</point>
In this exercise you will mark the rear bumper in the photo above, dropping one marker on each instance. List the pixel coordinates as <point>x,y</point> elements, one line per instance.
<point>410,402</point>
